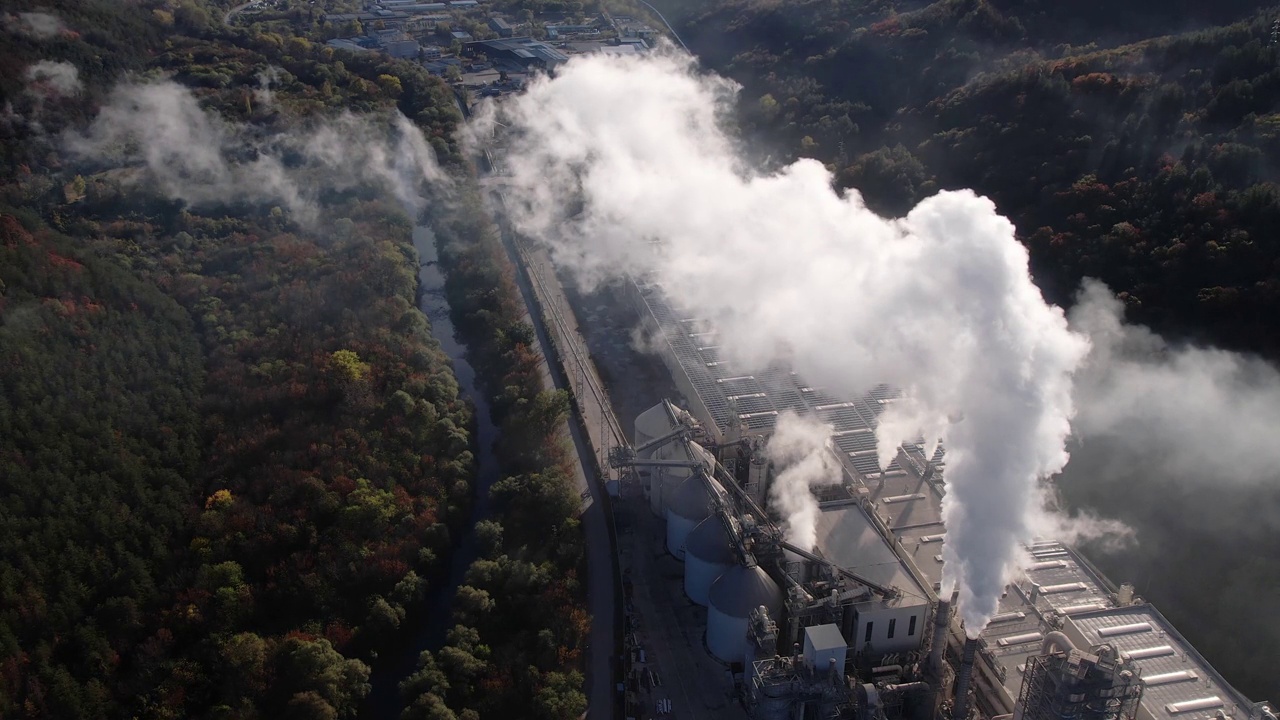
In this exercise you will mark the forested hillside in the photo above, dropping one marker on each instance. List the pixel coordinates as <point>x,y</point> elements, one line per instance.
<point>231,454</point>
<point>1118,149</point>
<point>1135,142</point>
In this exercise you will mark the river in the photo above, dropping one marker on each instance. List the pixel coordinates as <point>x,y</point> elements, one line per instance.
<point>430,623</point>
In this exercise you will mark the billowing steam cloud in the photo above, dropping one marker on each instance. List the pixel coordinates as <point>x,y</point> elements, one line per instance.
<point>196,156</point>
<point>1183,412</point>
<point>798,447</point>
<point>622,165</point>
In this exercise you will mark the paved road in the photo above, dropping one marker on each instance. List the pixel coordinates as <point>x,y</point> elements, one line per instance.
<point>670,29</point>
<point>231,14</point>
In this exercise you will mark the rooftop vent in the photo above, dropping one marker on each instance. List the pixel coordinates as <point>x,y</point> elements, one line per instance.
<point>1170,677</point>
<point>1020,639</point>
<point>1147,653</point>
<point>1064,587</point>
<point>1129,629</point>
<point>1206,703</point>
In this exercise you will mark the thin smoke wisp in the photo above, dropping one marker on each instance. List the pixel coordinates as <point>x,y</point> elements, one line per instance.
<point>798,448</point>
<point>38,24</point>
<point>193,154</point>
<point>53,78</point>
<point>622,165</point>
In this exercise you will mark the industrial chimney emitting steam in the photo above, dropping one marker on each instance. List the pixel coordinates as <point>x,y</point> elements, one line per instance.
<point>963,677</point>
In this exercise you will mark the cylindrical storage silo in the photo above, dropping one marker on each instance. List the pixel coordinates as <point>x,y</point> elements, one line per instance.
<point>663,483</point>
<point>732,598</point>
<point>708,553</point>
<point>650,424</point>
<point>689,505</point>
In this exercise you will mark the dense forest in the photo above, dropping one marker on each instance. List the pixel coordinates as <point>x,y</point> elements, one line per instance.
<point>232,456</point>
<point>1135,142</point>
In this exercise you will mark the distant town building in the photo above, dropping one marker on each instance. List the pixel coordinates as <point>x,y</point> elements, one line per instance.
<point>462,35</point>
<point>347,44</point>
<point>555,31</point>
<point>500,26</point>
<point>421,8</point>
<point>402,46</point>
<point>638,42</point>
<point>523,51</point>
<point>348,17</point>
<point>640,31</point>
<point>604,48</point>
<point>442,66</point>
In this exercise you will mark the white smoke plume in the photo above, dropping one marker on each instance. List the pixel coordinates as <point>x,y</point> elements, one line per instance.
<point>50,78</point>
<point>196,156</point>
<point>1197,415</point>
<point>798,447</point>
<point>622,165</point>
<point>39,25</point>
<point>268,76</point>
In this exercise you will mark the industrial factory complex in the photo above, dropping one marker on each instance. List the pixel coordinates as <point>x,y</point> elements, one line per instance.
<point>855,627</point>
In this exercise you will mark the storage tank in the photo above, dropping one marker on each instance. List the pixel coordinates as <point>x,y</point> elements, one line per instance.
<point>650,424</point>
<point>689,505</point>
<point>663,481</point>
<point>733,596</point>
<point>708,553</point>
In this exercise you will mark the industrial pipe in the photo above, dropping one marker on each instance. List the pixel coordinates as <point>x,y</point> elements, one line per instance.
<point>963,676</point>
<point>1056,640</point>
<point>918,686</point>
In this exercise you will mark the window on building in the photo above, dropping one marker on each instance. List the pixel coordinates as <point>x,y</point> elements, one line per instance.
<point>911,627</point>
<point>893,622</point>
<point>867,639</point>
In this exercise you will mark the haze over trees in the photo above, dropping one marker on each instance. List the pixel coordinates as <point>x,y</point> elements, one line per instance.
<point>1132,142</point>
<point>232,457</point>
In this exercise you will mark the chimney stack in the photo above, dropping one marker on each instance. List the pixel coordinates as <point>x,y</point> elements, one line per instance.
<point>963,676</point>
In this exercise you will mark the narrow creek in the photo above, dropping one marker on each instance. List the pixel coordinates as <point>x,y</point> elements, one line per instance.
<point>431,619</point>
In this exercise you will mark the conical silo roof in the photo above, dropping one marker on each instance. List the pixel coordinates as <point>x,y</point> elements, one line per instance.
<point>742,589</point>
<point>709,541</point>
<point>652,423</point>
<point>691,500</point>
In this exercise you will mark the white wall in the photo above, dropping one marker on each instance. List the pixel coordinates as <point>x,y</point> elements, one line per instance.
<point>879,617</point>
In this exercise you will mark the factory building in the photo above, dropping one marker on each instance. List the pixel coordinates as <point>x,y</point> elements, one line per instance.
<point>527,52</point>
<point>854,627</point>
<point>737,562</point>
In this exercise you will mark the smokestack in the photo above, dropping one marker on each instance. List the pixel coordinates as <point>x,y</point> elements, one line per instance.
<point>937,650</point>
<point>961,709</point>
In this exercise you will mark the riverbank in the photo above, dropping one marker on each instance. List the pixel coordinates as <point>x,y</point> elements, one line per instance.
<point>428,629</point>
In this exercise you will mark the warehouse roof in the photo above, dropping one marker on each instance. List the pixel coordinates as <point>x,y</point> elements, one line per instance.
<point>847,537</point>
<point>1180,684</point>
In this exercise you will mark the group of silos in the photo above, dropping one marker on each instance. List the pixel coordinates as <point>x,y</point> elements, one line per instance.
<point>714,575</point>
